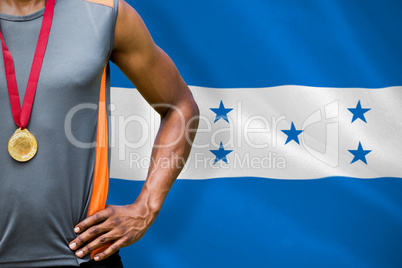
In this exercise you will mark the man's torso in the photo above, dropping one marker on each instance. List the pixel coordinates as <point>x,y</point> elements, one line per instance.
<point>43,199</point>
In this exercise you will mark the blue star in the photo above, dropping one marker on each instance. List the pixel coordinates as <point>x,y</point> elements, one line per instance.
<point>221,154</point>
<point>292,134</point>
<point>359,112</point>
<point>221,112</point>
<point>359,154</point>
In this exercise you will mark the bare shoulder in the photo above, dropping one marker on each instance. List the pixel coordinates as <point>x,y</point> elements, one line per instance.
<point>131,34</point>
<point>147,66</point>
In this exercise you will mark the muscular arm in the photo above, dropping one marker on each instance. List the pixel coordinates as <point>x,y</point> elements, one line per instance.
<point>157,79</point>
<point>155,76</point>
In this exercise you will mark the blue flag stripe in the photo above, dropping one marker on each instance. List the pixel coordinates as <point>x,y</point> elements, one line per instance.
<point>254,222</point>
<point>234,43</point>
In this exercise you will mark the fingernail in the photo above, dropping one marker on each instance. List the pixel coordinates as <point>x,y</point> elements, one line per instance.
<point>96,258</point>
<point>73,245</point>
<point>79,253</point>
<point>77,229</point>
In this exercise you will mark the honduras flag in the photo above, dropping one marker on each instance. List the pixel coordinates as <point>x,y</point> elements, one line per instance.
<point>297,161</point>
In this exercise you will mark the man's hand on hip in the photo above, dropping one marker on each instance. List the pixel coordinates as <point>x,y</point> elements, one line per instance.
<point>113,228</point>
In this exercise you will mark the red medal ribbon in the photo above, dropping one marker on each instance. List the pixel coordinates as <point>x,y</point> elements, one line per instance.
<point>21,116</point>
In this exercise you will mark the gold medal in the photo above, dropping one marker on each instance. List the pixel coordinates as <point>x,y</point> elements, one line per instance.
<point>22,145</point>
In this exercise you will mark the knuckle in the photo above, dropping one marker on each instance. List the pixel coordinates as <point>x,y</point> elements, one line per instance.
<point>97,217</point>
<point>102,240</point>
<point>116,221</point>
<point>80,240</point>
<point>111,210</point>
<point>128,240</point>
<point>114,248</point>
<point>121,229</point>
<point>94,230</point>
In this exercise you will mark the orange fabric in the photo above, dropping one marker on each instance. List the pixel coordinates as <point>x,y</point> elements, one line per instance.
<point>108,3</point>
<point>101,170</point>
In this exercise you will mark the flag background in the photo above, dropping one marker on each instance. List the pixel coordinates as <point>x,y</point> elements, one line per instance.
<point>262,222</point>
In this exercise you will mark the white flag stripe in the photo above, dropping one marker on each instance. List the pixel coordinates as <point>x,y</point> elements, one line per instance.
<point>254,133</point>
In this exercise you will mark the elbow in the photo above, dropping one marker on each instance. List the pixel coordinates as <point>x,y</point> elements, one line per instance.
<point>194,114</point>
<point>187,109</point>
<point>184,114</point>
<point>190,115</point>
<point>195,111</point>
<point>192,120</point>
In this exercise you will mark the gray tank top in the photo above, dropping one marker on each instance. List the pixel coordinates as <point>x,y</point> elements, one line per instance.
<point>42,200</point>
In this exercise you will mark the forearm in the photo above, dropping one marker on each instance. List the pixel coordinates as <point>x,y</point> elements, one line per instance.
<point>170,152</point>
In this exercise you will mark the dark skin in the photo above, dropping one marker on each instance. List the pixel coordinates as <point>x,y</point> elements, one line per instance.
<point>155,76</point>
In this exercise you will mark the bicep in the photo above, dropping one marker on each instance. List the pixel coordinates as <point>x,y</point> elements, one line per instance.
<point>147,66</point>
